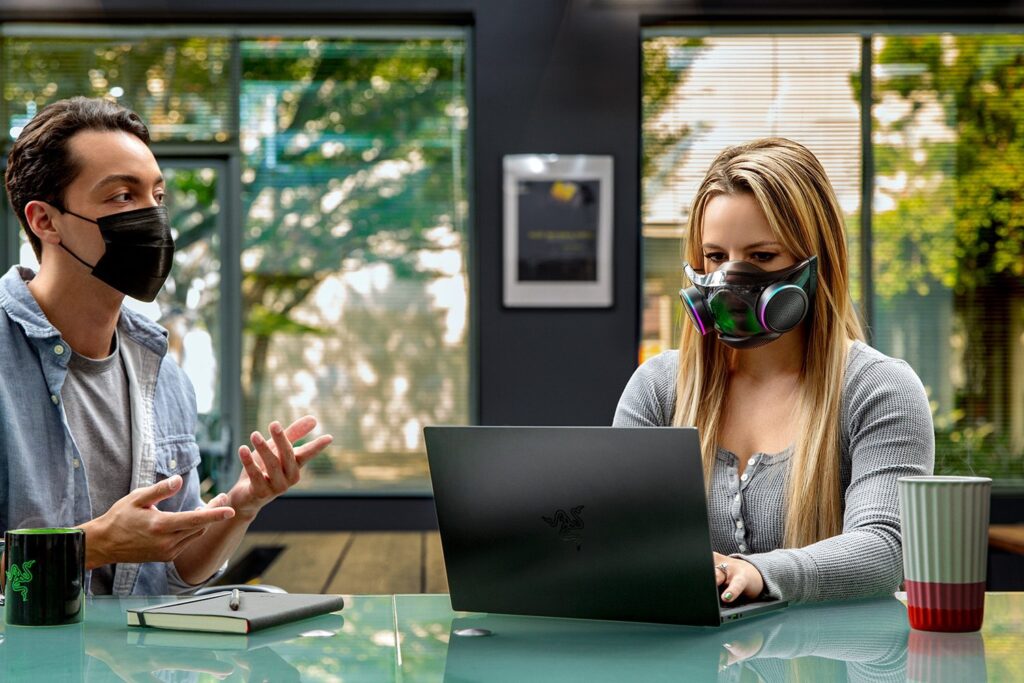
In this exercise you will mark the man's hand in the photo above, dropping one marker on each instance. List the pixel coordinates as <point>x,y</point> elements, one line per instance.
<point>269,470</point>
<point>739,577</point>
<point>134,530</point>
<point>272,467</point>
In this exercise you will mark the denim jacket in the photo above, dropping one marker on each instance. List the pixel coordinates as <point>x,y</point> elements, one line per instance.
<point>42,474</point>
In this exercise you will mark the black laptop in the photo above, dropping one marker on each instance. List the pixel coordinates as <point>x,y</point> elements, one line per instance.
<point>581,522</point>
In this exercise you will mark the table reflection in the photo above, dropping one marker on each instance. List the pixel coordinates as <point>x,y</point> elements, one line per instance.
<point>852,641</point>
<point>409,639</point>
<point>229,657</point>
<point>104,649</point>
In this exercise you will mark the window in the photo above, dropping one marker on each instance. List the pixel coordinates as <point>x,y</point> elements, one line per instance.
<point>354,286</point>
<point>179,86</point>
<point>946,238</point>
<point>350,232</point>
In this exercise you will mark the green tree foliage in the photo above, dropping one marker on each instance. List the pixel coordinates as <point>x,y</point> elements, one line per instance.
<point>949,151</point>
<point>978,82</point>
<point>666,61</point>
<point>353,156</point>
<point>179,86</point>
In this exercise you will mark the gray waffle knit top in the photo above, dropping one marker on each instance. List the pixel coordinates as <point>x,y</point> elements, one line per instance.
<point>887,433</point>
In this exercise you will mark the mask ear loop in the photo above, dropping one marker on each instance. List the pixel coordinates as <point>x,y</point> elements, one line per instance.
<point>64,209</point>
<point>61,243</point>
<point>76,256</point>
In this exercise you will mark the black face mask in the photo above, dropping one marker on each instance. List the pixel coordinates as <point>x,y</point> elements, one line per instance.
<point>748,306</point>
<point>139,254</point>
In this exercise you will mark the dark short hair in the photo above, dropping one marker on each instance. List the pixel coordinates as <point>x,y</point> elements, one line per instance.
<point>40,165</point>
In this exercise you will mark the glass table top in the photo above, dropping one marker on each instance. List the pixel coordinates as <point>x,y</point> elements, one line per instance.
<point>411,638</point>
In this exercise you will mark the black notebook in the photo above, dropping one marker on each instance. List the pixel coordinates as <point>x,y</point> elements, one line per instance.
<point>255,611</point>
<point>323,626</point>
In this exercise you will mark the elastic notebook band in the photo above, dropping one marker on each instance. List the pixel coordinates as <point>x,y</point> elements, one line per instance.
<point>202,598</point>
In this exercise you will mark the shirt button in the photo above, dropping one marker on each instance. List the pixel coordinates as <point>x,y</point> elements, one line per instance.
<point>743,547</point>
<point>745,477</point>
<point>738,497</point>
<point>76,463</point>
<point>53,397</point>
<point>739,524</point>
<point>172,464</point>
<point>58,349</point>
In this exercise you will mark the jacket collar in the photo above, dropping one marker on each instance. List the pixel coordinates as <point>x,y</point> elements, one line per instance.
<point>22,308</point>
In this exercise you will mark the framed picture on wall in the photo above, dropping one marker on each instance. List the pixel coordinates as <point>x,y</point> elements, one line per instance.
<point>558,231</point>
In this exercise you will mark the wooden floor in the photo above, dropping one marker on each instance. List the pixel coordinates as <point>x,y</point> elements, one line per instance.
<point>365,563</point>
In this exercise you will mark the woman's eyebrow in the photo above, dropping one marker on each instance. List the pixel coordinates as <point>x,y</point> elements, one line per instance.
<point>755,245</point>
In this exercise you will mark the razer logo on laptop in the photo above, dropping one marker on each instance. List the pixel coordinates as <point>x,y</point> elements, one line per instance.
<point>568,524</point>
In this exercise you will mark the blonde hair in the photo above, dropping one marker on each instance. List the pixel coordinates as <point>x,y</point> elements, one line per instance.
<point>793,191</point>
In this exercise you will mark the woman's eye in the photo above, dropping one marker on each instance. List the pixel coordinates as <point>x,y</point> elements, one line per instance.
<point>122,197</point>
<point>763,256</point>
<point>161,199</point>
<point>715,257</point>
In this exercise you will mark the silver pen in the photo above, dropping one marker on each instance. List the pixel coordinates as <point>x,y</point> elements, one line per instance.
<point>236,598</point>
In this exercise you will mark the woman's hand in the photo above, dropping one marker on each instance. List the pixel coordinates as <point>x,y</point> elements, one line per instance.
<point>738,576</point>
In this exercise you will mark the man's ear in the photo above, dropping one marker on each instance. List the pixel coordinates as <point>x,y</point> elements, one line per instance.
<point>38,215</point>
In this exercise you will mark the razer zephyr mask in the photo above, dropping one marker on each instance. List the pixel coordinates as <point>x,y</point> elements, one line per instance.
<point>746,305</point>
<point>139,251</point>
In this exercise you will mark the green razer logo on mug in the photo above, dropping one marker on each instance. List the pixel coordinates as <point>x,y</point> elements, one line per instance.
<point>19,577</point>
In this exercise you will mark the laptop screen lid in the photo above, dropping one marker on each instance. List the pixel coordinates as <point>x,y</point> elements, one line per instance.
<point>582,522</point>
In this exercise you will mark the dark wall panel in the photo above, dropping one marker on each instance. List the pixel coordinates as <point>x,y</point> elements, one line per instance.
<point>565,82</point>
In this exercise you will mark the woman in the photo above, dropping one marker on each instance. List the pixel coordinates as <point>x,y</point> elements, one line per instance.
<point>804,428</point>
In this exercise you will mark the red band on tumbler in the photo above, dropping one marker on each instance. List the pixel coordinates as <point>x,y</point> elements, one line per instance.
<point>934,606</point>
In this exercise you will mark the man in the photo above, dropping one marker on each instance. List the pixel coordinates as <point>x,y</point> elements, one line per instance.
<point>98,421</point>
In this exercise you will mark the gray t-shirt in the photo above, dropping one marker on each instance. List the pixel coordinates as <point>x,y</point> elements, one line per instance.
<point>95,395</point>
<point>886,433</point>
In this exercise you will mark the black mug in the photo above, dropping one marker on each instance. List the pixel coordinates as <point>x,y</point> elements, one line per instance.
<point>44,571</point>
